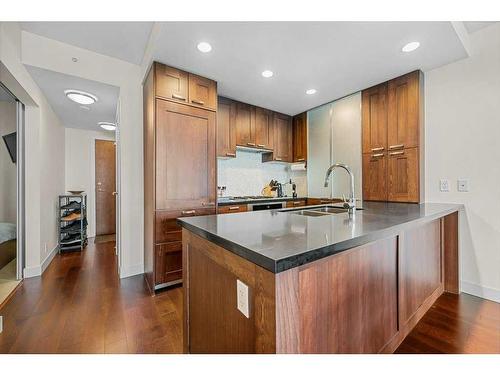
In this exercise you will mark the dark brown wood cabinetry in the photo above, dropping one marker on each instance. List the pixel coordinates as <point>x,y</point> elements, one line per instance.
<point>226,132</point>
<point>179,164</point>
<point>282,134</point>
<point>232,209</point>
<point>392,118</point>
<point>297,203</point>
<point>264,136</point>
<point>299,135</point>
<point>245,125</point>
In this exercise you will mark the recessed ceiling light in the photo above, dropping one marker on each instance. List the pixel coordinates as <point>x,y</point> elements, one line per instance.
<point>311,91</point>
<point>267,74</point>
<point>412,46</point>
<point>81,97</point>
<point>107,125</point>
<point>204,47</point>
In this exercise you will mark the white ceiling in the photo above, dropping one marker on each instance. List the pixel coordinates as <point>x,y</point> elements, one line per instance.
<point>53,85</point>
<point>123,40</point>
<point>473,26</point>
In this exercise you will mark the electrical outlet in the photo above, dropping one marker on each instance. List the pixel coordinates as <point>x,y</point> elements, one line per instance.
<point>242,297</point>
<point>463,185</point>
<point>444,185</point>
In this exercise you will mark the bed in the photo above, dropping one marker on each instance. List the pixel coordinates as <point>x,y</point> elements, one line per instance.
<point>8,243</point>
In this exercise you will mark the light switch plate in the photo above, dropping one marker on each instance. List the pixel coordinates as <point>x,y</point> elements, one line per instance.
<point>444,185</point>
<point>463,185</point>
<point>242,298</point>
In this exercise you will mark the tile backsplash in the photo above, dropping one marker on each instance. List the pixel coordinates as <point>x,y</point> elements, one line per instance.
<point>247,175</point>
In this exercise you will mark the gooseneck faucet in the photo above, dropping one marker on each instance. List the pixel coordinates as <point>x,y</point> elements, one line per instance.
<point>351,203</point>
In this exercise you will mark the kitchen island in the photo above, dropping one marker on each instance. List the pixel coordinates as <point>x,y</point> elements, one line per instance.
<point>317,282</point>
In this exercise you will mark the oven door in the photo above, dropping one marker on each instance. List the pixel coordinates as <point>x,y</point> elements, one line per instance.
<point>266,206</point>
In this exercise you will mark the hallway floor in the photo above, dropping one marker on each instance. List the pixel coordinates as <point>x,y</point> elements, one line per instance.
<point>81,306</point>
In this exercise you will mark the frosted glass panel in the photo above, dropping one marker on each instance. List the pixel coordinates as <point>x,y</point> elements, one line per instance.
<point>318,150</point>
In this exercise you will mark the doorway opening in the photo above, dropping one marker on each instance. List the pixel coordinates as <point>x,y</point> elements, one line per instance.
<point>11,193</point>
<point>105,190</point>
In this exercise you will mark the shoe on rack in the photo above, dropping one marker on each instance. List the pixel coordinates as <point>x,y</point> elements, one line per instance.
<point>73,205</point>
<point>75,215</point>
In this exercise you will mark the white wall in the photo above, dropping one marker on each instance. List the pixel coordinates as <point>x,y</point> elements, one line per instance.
<point>8,185</point>
<point>44,152</point>
<point>247,175</point>
<point>80,166</point>
<point>56,56</point>
<point>462,139</point>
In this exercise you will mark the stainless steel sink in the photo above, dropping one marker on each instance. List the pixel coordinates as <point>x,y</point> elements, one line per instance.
<point>330,210</point>
<point>309,213</point>
<point>318,211</point>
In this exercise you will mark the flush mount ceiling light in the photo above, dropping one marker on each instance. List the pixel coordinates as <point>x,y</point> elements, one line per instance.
<point>311,92</point>
<point>107,125</point>
<point>204,47</point>
<point>267,74</point>
<point>80,97</point>
<point>412,46</point>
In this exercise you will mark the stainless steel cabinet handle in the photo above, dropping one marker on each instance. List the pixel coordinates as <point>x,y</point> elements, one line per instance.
<point>395,147</point>
<point>208,204</point>
<point>199,102</point>
<point>377,149</point>
<point>250,144</point>
<point>261,145</point>
<point>377,155</point>
<point>324,201</point>
<point>278,159</point>
<point>232,208</point>
<point>301,159</point>
<point>230,154</point>
<point>396,153</point>
<point>189,212</point>
<point>297,203</point>
<point>177,96</point>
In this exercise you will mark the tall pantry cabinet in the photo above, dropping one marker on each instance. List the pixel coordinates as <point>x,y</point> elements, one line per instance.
<point>179,165</point>
<point>392,140</point>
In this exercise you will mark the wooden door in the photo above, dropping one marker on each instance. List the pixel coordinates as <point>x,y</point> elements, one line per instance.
<point>403,176</point>
<point>300,137</point>
<point>375,177</point>
<point>171,83</point>
<point>264,128</point>
<point>282,138</point>
<point>245,125</point>
<point>202,92</point>
<point>226,136</point>
<point>403,112</point>
<point>374,119</point>
<point>185,156</point>
<point>105,179</point>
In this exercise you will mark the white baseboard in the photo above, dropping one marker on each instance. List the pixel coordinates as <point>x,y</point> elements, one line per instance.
<point>136,269</point>
<point>39,270</point>
<point>480,291</point>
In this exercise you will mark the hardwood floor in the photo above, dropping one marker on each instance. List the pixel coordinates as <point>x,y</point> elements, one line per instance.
<point>81,306</point>
<point>456,324</point>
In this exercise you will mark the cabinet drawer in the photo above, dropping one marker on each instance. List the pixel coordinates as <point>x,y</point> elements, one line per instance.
<point>300,203</point>
<point>316,201</point>
<point>168,262</point>
<point>171,83</point>
<point>232,208</point>
<point>166,227</point>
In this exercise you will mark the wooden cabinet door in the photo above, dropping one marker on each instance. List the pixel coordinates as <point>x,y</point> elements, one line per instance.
<point>168,262</point>
<point>185,156</point>
<point>202,92</point>
<point>299,135</point>
<point>403,112</point>
<point>232,209</point>
<point>171,83</point>
<point>403,176</point>
<point>226,136</point>
<point>282,138</point>
<point>375,177</point>
<point>264,128</point>
<point>245,125</point>
<point>291,204</point>
<point>374,119</point>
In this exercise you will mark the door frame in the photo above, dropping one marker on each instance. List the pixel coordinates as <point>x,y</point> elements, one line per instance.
<point>20,251</point>
<point>94,191</point>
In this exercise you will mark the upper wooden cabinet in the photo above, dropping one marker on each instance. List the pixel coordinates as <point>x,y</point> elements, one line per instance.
<point>374,119</point>
<point>264,136</point>
<point>299,135</point>
<point>179,86</point>
<point>245,125</point>
<point>392,121</point>
<point>403,111</point>
<point>226,132</point>
<point>202,92</point>
<point>282,138</point>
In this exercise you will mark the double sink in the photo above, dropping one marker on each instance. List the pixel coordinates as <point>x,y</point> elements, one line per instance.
<point>316,211</point>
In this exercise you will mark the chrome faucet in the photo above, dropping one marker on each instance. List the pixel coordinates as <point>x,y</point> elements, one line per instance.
<point>351,203</point>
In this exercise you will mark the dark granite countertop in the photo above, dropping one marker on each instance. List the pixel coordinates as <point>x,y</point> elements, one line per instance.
<point>278,241</point>
<point>228,202</point>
